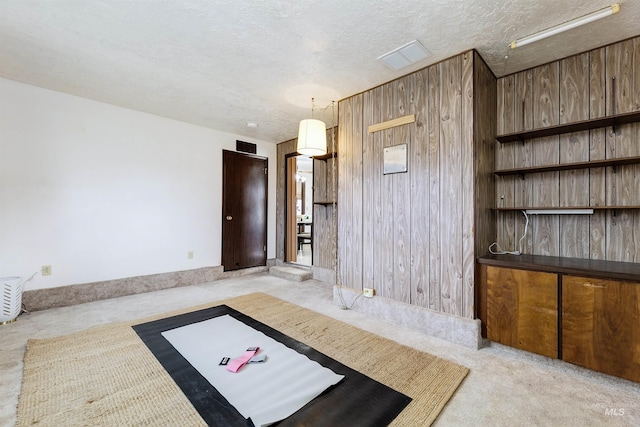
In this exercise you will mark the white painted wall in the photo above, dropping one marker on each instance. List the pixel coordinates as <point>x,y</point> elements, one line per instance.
<point>101,192</point>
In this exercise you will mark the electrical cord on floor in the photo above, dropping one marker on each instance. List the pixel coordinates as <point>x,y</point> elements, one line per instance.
<point>519,251</point>
<point>23,307</point>
<point>343,303</point>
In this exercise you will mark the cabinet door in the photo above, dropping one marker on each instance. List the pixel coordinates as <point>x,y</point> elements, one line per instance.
<point>522,309</point>
<point>601,325</point>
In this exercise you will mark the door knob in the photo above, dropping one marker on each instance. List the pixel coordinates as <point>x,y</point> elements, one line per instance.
<point>229,217</point>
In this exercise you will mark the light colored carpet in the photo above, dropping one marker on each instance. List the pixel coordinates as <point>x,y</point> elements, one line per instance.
<point>107,376</point>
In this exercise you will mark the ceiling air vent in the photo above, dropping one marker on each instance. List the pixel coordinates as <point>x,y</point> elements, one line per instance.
<point>404,56</point>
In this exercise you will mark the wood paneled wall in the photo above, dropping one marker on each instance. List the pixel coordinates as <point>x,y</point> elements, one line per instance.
<point>282,150</point>
<point>325,217</point>
<point>597,83</point>
<point>414,236</point>
<point>324,220</point>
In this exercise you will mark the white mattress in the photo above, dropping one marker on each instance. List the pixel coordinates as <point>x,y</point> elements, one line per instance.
<point>265,392</point>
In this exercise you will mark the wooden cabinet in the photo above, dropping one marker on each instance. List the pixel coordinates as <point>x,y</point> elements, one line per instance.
<point>601,325</point>
<point>586,312</point>
<point>522,309</point>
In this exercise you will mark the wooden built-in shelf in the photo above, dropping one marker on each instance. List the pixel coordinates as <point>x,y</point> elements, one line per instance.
<point>325,203</point>
<point>326,157</point>
<point>615,120</point>
<point>568,166</point>
<point>555,208</point>
<point>576,266</point>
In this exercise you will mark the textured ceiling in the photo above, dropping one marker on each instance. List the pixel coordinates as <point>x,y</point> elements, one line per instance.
<point>223,63</point>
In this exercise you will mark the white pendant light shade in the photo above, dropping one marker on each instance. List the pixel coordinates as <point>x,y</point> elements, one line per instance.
<point>312,137</point>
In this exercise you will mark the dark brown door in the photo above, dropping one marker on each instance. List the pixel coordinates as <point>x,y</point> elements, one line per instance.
<point>244,210</point>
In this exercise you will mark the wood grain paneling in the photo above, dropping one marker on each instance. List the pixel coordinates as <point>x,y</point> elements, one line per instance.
<point>523,154</point>
<point>356,182</point>
<point>344,109</point>
<point>403,105</point>
<point>350,193</point>
<point>387,244</point>
<point>419,165</point>
<point>325,223</point>
<point>522,309</point>
<point>375,182</point>
<point>505,159</point>
<point>468,182</point>
<point>450,178</point>
<point>594,84</point>
<point>435,254</point>
<point>574,147</point>
<point>545,151</point>
<point>597,151</point>
<point>601,325</point>
<point>325,215</point>
<point>635,146</point>
<point>282,150</point>
<point>291,228</point>
<point>622,186</point>
<point>371,191</point>
<point>484,123</point>
<point>418,231</point>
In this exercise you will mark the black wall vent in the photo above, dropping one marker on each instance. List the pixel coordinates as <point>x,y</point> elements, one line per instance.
<point>246,147</point>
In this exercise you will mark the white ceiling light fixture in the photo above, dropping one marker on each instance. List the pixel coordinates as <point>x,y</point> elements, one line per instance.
<point>405,55</point>
<point>559,211</point>
<point>312,136</point>
<point>603,13</point>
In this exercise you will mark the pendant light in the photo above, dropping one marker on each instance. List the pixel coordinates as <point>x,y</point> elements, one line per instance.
<point>312,136</point>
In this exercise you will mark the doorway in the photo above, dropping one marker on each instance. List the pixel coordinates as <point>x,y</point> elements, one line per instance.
<point>244,210</point>
<point>299,210</point>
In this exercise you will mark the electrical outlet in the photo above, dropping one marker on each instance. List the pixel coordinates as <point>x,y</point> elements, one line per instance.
<point>368,292</point>
<point>190,255</point>
<point>46,270</point>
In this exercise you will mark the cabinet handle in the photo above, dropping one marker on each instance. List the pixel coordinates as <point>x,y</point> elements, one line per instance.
<point>591,285</point>
<point>229,217</point>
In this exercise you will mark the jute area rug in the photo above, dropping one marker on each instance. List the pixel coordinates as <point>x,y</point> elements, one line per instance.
<point>107,376</point>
